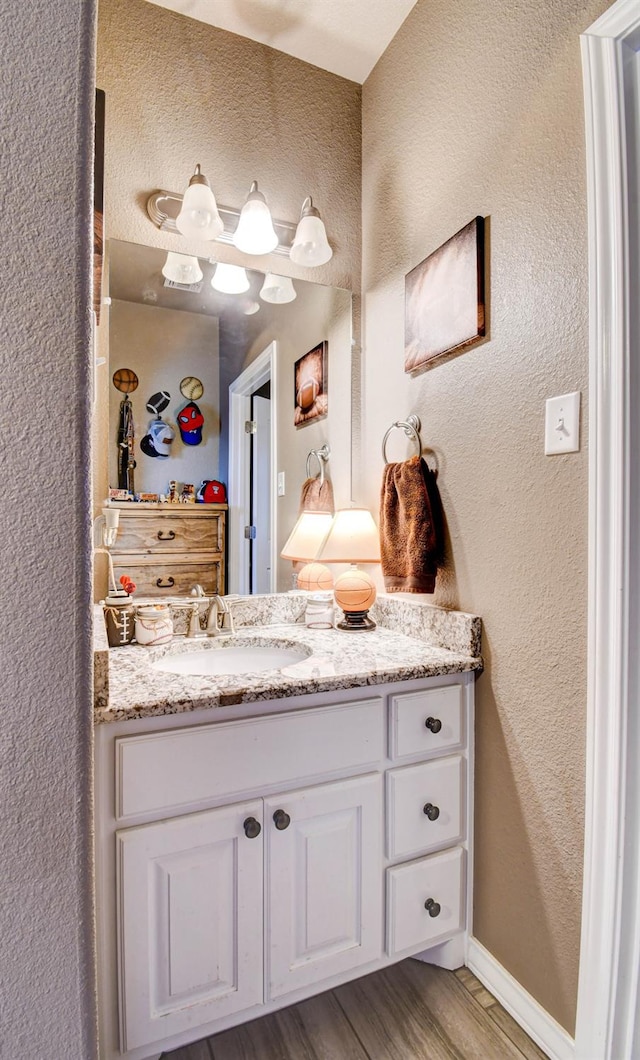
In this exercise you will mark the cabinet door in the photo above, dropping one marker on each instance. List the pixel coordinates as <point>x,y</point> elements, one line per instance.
<point>324,887</point>
<point>190,922</point>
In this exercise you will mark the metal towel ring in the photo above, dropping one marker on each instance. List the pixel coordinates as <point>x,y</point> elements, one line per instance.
<point>411,427</point>
<point>321,455</point>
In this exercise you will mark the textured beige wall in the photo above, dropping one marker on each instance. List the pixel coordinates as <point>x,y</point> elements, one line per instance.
<point>46,147</point>
<point>477,109</point>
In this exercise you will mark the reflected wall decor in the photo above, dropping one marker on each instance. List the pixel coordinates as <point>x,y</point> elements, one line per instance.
<point>310,393</point>
<point>444,298</point>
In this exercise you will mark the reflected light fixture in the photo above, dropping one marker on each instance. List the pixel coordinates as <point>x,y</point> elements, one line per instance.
<point>353,538</point>
<point>230,279</point>
<point>181,268</point>
<point>310,245</point>
<point>255,233</point>
<point>277,289</point>
<point>199,217</point>
<point>248,306</point>
<point>302,545</point>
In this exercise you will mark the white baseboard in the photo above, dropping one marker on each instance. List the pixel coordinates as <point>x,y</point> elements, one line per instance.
<point>536,1021</point>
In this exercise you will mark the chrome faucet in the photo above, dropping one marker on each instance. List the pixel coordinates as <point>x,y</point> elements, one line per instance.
<point>219,619</point>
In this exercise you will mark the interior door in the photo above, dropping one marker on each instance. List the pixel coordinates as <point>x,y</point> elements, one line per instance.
<point>261,495</point>
<point>190,912</point>
<point>324,882</point>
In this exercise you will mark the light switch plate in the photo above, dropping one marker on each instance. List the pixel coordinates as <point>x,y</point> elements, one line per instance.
<point>562,424</point>
<point>281,483</point>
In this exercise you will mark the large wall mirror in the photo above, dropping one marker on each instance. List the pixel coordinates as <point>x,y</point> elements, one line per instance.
<point>166,332</point>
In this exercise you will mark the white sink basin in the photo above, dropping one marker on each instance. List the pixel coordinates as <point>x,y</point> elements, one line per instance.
<point>238,659</point>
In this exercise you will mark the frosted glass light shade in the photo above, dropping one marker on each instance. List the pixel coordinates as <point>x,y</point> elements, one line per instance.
<point>310,244</point>
<point>307,535</point>
<point>255,233</point>
<point>278,289</point>
<point>181,268</point>
<point>199,217</point>
<point>352,538</point>
<point>230,279</point>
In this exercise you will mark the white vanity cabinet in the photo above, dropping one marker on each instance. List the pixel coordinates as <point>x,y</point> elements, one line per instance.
<point>251,856</point>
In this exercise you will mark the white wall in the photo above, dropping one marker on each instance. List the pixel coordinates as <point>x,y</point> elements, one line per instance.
<point>46,149</point>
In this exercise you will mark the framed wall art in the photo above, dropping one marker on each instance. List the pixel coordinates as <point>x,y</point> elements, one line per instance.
<point>444,298</point>
<point>310,385</point>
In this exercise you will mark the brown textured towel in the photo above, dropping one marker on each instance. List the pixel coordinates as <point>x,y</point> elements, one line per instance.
<point>315,497</point>
<point>411,527</point>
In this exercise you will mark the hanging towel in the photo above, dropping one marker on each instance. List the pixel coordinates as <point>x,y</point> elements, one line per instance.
<point>315,497</point>
<point>411,527</point>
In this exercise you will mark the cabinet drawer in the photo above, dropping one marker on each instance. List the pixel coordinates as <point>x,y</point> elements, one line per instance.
<point>170,531</point>
<point>426,721</point>
<point>437,881</point>
<point>167,770</point>
<point>424,806</point>
<point>158,576</point>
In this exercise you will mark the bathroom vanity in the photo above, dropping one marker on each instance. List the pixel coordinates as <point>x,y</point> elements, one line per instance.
<point>264,837</point>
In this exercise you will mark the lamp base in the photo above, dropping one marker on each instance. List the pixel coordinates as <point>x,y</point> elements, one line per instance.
<point>356,622</point>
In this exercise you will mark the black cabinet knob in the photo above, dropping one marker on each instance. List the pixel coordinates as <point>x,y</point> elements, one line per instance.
<point>434,724</point>
<point>252,828</point>
<point>281,820</point>
<point>432,812</point>
<point>432,907</point>
<point>169,584</point>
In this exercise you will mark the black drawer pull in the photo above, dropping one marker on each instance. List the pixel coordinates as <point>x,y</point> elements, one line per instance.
<point>169,584</point>
<point>432,812</point>
<point>252,828</point>
<point>434,724</point>
<point>432,907</point>
<point>169,536</point>
<point>281,820</point>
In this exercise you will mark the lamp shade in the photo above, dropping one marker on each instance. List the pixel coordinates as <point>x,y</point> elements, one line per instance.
<point>181,268</point>
<point>307,535</point>
<point>199,217</point>
<point>310,244</point>
<point>352,538</point>
<point>230,279</point>
<point>255,233</point>
<point>277,289</point>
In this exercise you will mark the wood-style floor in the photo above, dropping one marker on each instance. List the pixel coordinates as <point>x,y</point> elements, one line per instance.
<point>410,1011</point>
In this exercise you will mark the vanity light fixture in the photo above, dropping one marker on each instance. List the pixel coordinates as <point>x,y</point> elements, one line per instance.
<point>248,306</point>
<point>230,279</point>
<point>199,217</point>
<point>255,233</point>
<point>181,268</point>
<point>310,245</point>
<point>277,289</point>
<point>353,538</point>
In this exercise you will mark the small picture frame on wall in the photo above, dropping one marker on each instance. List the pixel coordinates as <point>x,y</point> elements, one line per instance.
<point>310,385</point>
<point>444,299</point>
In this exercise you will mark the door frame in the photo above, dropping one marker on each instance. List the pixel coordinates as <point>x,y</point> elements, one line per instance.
<point>262,369</point>
<point>608,1022</point>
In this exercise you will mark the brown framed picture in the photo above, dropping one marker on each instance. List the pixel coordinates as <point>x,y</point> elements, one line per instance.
<point>98,203</point>
<point>310,385</point>
<point>444,298</point>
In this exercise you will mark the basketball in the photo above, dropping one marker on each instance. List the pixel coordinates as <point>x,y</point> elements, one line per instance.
<point>191,388</point>
<point>354,591</point>
<point>125,380</point>
<point>314,577</point>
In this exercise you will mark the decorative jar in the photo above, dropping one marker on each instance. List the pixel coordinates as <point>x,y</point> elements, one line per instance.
<point>153,624</point>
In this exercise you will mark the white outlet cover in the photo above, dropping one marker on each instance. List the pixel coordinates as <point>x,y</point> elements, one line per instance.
<point>281,483</point>
<point>562,424</point>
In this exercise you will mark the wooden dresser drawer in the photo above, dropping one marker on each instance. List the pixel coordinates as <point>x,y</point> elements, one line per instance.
<point>425,900</point>
<point>423,722</point>
<point>424,806</point>
<point>170,531</point>
<point>159,575</point>
<point>167,770</point>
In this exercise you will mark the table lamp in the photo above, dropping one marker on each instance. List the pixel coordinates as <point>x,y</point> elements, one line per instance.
<point>302,545</point>
<point>353,538</point>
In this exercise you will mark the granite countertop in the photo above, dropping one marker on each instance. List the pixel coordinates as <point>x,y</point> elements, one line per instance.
<point>127,686</point>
